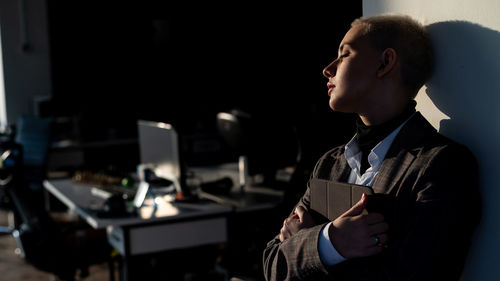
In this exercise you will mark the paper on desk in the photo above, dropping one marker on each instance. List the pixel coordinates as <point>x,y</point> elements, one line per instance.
<point>157,207</point>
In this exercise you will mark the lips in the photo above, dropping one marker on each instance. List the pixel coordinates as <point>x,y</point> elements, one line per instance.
<point>330,86</point>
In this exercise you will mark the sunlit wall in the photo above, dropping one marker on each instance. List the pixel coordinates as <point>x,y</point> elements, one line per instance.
<point>3,111</point>
<point>462,99</point>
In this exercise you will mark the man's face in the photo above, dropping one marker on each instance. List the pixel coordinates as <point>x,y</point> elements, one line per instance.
<point>352,76</point>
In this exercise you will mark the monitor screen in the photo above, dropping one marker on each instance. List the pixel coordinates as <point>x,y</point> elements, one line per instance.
<point>159,149</point>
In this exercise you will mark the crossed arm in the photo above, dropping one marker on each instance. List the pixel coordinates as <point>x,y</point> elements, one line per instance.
<point>354,234</point>
<point>430,226</point>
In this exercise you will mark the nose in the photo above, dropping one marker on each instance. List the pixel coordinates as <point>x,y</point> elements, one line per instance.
<point>330,70</point>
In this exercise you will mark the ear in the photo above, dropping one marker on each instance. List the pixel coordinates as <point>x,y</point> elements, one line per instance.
<point>388,60</point>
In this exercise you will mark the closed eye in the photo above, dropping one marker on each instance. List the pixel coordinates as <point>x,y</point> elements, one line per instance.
<point>344,55</point>
<point>341,57</point>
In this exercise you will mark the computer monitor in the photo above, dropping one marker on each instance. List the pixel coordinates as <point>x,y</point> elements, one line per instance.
<point>267,143</point>
<point>159,151</point>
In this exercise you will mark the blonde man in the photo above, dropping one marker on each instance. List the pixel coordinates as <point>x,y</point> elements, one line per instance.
<point>429,182</point>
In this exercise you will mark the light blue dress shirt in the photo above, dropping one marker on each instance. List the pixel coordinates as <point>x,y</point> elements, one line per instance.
<point>327,253</point>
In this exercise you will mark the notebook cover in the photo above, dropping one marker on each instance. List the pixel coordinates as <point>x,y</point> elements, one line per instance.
<point>331,198</point>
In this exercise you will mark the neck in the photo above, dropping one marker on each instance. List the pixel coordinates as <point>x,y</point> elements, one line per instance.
<point>403,114</point>
<point>386,101</point>
<point>368,136</point>
<point>383,113</point>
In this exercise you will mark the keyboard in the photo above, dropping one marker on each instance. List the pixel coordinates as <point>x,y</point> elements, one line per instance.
<point>108,191</point>
<point>104,185</point>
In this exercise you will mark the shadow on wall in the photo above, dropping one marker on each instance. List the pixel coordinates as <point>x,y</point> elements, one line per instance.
<point>466,87</point>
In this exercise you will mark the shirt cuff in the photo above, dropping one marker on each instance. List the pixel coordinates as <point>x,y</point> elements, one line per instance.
<point>327,253</point>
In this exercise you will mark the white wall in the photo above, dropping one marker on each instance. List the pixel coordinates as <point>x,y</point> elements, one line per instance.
<point>3,111</point>
<point>26,72</point>
<point>462,100</point>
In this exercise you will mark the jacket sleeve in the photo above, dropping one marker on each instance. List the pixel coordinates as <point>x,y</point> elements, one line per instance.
<point>437,229</point>
<point>296,258</point>
<point>435,214</point>
<point>436,210</point>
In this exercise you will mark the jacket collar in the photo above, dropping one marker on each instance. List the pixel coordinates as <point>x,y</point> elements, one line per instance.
<point>402,153</point>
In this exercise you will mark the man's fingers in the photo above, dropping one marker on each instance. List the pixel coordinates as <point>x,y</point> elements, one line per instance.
<point>378,240</point>
<point>382,238</point>
<point>298,220</point>
<point>372,251</point>
<point>282,237</point>
<point>357,209</point>
<point>284,233</point>
<point>374,218</point>
<point>300,212</point>
<point>287,221</point>
<point>378,228</point>
<point>304,216</point>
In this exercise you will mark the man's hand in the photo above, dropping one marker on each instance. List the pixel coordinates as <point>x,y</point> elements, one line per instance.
<point>357,233</point>
<point>291,225</point>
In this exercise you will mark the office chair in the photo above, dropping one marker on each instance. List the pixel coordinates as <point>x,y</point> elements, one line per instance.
<point>34,135</point>
<point>10,158</point>
<point>46,244</point>
<point>49,245</point>
<point>28,221</point>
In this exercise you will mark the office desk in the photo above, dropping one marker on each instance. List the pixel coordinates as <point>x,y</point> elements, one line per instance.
<point>175,225</point>
<point>248,199</point>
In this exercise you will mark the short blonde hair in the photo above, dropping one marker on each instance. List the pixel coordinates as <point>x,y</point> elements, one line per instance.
<point>409,39</point>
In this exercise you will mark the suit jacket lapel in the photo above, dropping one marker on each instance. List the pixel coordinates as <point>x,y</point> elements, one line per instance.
<point>402,153</point>
<point>334,167</point>
<point>341,170</point>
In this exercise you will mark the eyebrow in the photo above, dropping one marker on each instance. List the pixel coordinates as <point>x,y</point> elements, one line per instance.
<point>342,46</point>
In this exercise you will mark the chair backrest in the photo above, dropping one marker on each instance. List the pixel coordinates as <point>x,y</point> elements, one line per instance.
<point>34,134</point>
<point>41,242</point>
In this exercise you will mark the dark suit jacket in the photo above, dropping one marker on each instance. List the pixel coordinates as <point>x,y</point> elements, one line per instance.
<point>433,184</point>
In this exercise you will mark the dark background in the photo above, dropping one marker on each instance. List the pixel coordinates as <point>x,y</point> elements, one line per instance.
<point>115,63</point>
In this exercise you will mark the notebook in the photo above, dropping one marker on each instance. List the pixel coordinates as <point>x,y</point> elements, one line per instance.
<point>331,198</point>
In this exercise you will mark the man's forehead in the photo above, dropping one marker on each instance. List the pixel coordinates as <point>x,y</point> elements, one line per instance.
<point>351,38</point>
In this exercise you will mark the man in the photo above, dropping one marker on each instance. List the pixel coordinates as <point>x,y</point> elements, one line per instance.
<point>430,180</point>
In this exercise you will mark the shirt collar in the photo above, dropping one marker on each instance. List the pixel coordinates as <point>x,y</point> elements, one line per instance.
<point>352,152</point>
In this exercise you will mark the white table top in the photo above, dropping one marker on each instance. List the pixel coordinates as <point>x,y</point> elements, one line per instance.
<point>79,198</point>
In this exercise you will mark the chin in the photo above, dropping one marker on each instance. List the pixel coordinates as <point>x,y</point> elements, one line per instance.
<point>337,106</point>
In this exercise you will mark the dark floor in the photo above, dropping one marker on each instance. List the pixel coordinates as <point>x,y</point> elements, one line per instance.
<point>13,268</point>
<point>172,264</point>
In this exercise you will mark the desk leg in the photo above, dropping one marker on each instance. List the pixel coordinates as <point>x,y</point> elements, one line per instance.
<point>119,238</point>
<point>125,273</point>
<point>124,269</point>
<point>111,266</point>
